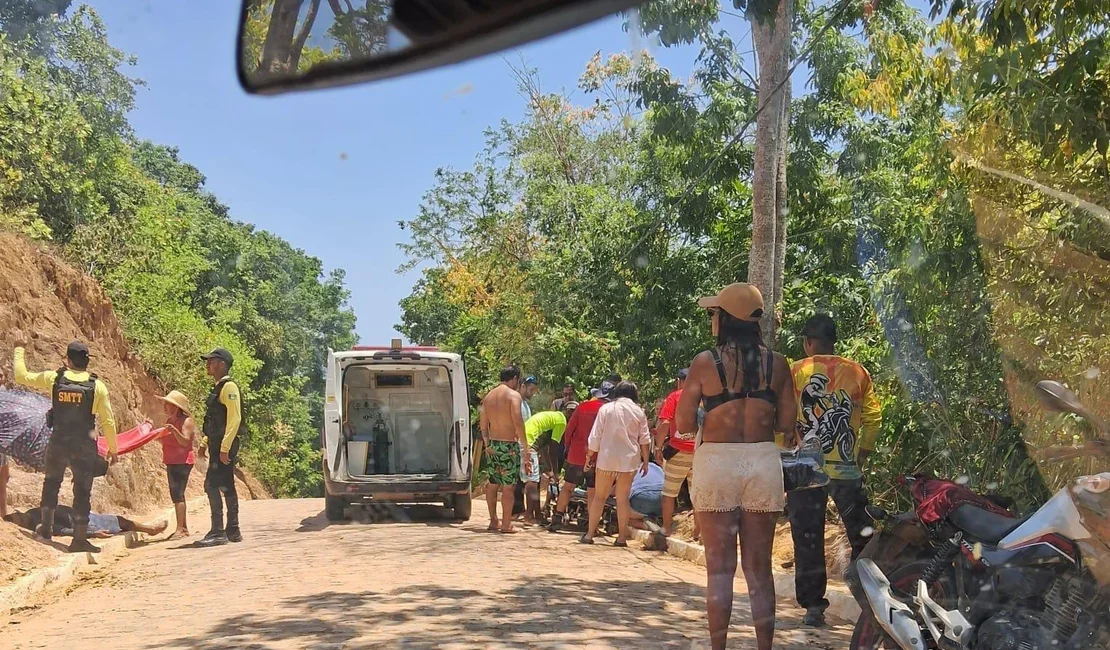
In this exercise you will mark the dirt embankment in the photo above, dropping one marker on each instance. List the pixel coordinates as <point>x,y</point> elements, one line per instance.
<point>45,304</point>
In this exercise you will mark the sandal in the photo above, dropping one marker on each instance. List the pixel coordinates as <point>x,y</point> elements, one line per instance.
<point>585,540</point>
<point>620,544</point>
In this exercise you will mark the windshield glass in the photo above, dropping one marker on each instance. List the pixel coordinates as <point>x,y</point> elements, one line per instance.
<point>918,189</point>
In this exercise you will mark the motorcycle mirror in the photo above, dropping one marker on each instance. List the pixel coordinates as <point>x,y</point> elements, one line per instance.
<point>1056,397</point>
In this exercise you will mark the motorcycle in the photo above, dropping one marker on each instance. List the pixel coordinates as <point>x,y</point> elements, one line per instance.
<point>962,572</point>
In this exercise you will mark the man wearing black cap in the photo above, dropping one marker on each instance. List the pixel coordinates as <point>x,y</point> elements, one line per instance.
<point>223,421</point>
<point>78,401</point>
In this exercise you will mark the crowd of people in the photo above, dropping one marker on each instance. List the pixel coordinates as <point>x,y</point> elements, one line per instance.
<point>79,405</point>
<point>722,433</point>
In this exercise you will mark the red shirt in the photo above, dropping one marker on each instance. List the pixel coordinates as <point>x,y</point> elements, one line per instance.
<point>667,413</point>
<point>173,452</point>
<point>576,439</point>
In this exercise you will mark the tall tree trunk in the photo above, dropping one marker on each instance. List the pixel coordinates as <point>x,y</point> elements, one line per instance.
<point>279,37</point>
<point>781,203</point>
<point>771,36</point>
<point>302,36</point>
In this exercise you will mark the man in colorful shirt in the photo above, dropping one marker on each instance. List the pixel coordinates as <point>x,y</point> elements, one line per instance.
<point>836,403</point>
<point>674,451</point>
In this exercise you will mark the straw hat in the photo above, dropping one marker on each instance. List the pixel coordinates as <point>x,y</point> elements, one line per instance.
<point>178,399</point>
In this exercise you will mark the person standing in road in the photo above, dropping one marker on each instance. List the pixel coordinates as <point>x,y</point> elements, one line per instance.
<point>223,422</point>
<point>621,444</point>
<point>568,396</point>
<point>177,454</point>
<point>78,402</point>
<point>528,390</point>
<point>576,444</point>
<point>674,451</point>
<point>502,427</point>
<point>747,394</point>
<point>836,403</point>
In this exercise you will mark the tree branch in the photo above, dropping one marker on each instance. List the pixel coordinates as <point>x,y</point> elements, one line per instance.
<point>302,36</point>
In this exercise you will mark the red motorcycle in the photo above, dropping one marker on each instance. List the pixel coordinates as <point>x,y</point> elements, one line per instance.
<point>962,572</point>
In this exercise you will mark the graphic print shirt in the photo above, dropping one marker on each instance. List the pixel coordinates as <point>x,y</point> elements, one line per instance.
<point>837,402</point>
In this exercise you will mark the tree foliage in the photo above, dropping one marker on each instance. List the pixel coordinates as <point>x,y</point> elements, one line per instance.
<point>943,206</point>
<point>183,276</point>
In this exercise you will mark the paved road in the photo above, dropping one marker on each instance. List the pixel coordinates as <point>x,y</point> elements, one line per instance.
<point>298,582</point>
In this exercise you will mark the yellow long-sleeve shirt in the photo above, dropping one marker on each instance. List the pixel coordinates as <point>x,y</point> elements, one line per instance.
<point>102,407</point>
<point>230,398</point>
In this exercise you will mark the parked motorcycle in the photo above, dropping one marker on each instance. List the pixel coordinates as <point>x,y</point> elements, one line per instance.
<point>962,572</point>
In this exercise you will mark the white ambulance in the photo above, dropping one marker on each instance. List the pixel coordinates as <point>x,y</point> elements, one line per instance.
<point>396,429</point>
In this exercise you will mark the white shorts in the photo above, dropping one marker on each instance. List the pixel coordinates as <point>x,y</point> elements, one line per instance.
<point>738,476</point>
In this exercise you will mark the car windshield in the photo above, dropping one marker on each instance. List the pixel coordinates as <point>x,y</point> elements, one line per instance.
<point>918,189</point>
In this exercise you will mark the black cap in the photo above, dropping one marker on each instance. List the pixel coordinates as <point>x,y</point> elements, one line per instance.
<point>682,374</point>
<point>77,350</point>
<point>219,353</point>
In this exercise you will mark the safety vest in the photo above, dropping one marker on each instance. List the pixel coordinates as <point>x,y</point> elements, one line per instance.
<point>71,410</point>
<point>215,416</point>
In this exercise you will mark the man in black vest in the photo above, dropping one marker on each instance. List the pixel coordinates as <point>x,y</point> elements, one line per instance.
<point>78,402</point>
<point>223,422</point>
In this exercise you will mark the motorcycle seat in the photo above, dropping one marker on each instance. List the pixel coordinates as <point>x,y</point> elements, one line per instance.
<point>982,524</point>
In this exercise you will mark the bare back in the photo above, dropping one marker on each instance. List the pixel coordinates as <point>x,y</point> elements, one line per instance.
<point>501,415</point>
<point>739,420</point>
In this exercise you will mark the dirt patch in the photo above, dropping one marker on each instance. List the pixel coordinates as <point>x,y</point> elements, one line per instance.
<point>44,304</point>
<point>20,555</point>
<point>837,551</point>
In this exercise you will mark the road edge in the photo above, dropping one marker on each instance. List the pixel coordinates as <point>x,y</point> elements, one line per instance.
<point>841,603</point>
<point>19,593</point>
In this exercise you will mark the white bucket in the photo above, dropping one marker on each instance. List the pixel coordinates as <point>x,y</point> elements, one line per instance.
<point>356,457</point>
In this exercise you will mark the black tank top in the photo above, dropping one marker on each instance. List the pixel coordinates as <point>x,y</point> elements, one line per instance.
<point>710,402</point>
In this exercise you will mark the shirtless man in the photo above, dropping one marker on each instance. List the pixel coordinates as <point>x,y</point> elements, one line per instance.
<point>502,427</point>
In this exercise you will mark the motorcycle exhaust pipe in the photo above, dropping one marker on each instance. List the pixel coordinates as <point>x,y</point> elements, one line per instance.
<point>893,616</point>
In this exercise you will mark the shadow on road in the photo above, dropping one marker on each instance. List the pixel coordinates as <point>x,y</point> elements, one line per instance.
<point>547,611</point>
<point>382,513</point>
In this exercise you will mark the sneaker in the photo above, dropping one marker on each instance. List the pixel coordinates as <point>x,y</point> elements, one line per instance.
<point>214,538</point>
<point>233,535</point>
<point>815,617</point>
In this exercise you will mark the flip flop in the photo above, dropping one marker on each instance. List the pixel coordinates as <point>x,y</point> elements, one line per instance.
<point>585,540</point>
<point>620,544</point>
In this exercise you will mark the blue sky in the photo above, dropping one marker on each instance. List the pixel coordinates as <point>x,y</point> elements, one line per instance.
<point>330,171</point>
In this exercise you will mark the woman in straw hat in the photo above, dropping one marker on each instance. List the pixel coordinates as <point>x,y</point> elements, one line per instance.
<point>737,488</point>
<point>177,453</point>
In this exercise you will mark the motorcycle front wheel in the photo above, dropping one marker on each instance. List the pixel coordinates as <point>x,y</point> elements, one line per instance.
<point>903,580</point>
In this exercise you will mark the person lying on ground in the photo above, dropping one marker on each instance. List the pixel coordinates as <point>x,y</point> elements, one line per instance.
<point>645,498</point>
<point>100,526</point>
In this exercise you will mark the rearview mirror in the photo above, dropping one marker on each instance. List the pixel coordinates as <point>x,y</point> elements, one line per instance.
<point>296,44</point>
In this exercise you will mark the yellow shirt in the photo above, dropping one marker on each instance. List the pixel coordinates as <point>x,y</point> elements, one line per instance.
<point>230,398</point>
<point>102,408</point>
<point>837,401</point>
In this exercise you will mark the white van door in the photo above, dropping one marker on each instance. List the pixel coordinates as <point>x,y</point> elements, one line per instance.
<point>460,436</point>
<point>333,415</point>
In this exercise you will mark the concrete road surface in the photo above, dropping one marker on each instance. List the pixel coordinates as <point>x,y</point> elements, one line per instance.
<point>299,582</point>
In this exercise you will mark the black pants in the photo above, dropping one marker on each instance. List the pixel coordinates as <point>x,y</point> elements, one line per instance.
<point>178,476</point>
<point>78,453</point>
<point>806,510</point>
<point>219,485</point>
